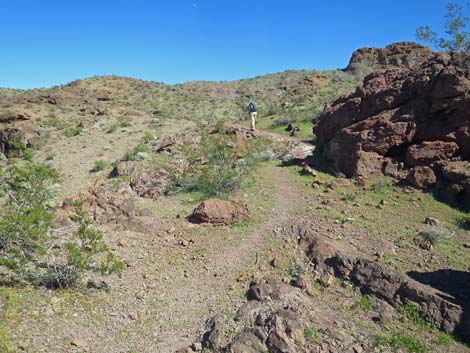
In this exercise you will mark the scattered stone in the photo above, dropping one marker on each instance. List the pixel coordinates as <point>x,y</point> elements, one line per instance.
<point>221,212</point>
<point>424,242</point>
<point>78,343</point>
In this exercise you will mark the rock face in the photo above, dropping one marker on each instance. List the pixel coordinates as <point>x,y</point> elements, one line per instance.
<point>390,285</point>
<point>403,54</point>
<point>221,212</point>
<point>417,117</point>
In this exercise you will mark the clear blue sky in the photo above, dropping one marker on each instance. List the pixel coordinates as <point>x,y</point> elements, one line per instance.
<point>49,42</point>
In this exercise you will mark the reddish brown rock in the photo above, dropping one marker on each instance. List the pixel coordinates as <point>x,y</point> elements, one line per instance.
<point>402,54</point>
<point>151,184</point>
<point>421,177</point>
<point>415,114</point>
<point>429,152</point>
<point>221,212</point>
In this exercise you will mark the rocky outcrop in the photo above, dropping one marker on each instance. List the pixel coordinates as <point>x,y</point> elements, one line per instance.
<point>151,184</point>
<point>390,285</point>
<point>412,117</point>
<point>12,139</point>
<point>10,116</point>
<point>221,212</point>
<point>403,54</point>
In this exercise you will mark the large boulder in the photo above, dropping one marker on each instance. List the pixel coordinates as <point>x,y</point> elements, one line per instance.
<point>402,54</point>
<point>416,116</point>
<point>221,212</point>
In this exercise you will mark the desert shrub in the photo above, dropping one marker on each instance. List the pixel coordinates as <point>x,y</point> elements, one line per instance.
<point>148,137</point>
<point>124,121</point>
<point>19,150</point>
<point>138,152</point>
<point>399,341</point>
<point>73,131</point>
<point>380,185</point>
<point>26,218</point>
<point>111,128</point>
<point>31,250</point>
<point>99,165</point>
<point>226,165</point>
<point>436,233</point>
<point>363,303</point>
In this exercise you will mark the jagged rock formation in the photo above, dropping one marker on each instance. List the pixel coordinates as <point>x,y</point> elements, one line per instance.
<point>406,118</point>
<point>402,54</point>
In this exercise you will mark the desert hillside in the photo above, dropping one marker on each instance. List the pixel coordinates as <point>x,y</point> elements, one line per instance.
<point>143,217</point>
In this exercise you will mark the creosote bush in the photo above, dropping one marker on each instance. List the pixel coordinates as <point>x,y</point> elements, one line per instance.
<point>220,165</point>
<point>31,250</point>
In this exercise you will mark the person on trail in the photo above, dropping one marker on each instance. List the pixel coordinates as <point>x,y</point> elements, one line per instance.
<point>253,111</point>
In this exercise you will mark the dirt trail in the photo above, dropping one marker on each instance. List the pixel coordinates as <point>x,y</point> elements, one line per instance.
<point>204,291</point>
<point>166,293</point>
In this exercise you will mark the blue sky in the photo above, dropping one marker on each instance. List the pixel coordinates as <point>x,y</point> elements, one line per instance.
<point>49,42</point>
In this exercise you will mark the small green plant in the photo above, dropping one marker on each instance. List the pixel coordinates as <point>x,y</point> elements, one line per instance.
<point>137,152</point>
<point>343,219</point>
<point>310,335</point>
<point>363,303</point>
<point>147,137</point>
<point>349,198</point>
<point>414,314</point>
<point>73,131</point>
<point>299,343</point>
<point>400,341</point>
<point>99,165</point>
<point>380,185</point>
<point>124,121</point>
<point>111,128</point>
<point>443,339</point>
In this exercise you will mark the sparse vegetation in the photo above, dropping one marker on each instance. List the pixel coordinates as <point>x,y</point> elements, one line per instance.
<point>363,303</point>
<point>457,31</point>
<point>436,233</point>
<point>99,165</point>
<point>225,169</point>
<point>28,247</point>
<point>73,131</point>
<point>137,153</point>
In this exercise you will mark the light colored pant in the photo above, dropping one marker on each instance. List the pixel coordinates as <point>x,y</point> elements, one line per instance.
<point>253,120</point>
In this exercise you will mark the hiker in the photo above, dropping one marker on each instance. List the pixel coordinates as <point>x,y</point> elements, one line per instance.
<point>251,108</point>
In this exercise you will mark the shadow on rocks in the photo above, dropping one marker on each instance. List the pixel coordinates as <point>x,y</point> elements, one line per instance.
<point>455,287</point>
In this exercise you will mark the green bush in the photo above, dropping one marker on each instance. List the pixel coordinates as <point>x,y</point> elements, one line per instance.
<point>224,168</point>
<point>26,217</point>
<point>124,121</point>
<point>98,166</point>
<point>136,152</point>
<point>31,250</point>
<point>73,131</point>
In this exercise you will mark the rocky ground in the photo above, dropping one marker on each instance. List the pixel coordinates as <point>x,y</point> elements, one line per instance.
<point>300,260</point>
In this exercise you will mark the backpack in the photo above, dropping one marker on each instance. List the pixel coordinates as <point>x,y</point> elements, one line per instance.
<point>252,107</point>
